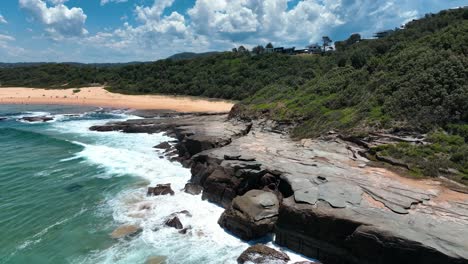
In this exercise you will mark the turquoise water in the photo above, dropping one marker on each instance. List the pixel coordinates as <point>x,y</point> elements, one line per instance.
<point>64,189</point>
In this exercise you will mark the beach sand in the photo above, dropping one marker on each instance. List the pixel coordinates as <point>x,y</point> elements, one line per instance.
<point>98,96</point>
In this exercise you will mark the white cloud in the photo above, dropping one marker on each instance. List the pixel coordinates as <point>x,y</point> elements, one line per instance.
<point>5,38</point>
<point>57,2</point>
<point>103,2</point>
<point>254,20</point>
<point>3,20</point>
<point>59,20</point>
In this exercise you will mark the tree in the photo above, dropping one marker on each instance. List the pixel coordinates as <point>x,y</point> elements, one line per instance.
<point>242,49</point>
<point>326,42</point>
<point>354,38</point>
<point>258,49</point>
<point>358,59</point>
<point>269,46</point>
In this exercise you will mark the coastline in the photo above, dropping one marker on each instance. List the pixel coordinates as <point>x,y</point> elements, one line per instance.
<point>99,97</point>
<point>371,207</point>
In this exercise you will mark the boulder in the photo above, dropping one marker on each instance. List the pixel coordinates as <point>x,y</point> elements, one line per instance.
<point>193,189</point>
<point>261,254</point>
<point>126,231</point>
<point>252,215</point>
<point>163,145</point>
<point>37,118</point>
<point>174,222</point>
<point>160,189</point>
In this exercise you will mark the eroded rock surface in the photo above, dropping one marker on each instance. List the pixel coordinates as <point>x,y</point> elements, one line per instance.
<point>334,206</point>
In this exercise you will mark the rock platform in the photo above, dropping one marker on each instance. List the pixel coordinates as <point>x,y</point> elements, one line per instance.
<point>334,206</point>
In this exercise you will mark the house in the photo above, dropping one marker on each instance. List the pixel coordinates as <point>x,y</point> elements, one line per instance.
<point>314,48</point>
<point>385,33</point>
<point>278,49</point>
<point>289,51</point>
<point>269,50</point>
<point>302,51</point>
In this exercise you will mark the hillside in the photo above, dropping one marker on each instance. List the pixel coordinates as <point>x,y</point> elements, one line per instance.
<point>414,80</point>
<point>191,55</point>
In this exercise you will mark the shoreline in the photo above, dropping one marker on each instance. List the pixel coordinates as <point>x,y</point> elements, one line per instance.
<point>99,97</point>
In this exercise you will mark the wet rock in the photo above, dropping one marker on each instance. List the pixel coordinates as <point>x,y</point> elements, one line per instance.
<point>261,254</point>
<point>160,189</point>
<point>175,223</point>
<point>126,231</point>
<point>156,260</point>
<point>37,118</point>
<point>164,145</point>
<point>3,118</point>
<point>184,230</point>
<point>252,215</point>
<point>193,189</point>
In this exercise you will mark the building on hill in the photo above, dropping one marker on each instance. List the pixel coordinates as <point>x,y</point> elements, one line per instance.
<point>314,48</point>
<point>289,51</point>
<point>278,49</point>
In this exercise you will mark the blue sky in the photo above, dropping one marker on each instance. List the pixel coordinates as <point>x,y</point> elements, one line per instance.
<point>144,30</point>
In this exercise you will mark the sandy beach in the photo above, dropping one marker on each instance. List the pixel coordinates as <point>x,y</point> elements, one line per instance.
<point>98,96</point>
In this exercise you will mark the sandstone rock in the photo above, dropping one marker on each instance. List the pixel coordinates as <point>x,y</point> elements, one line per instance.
<point>193,189</point>
<point>160,189</point>
<point>37,118</point>
<point>252,215</point>
<point>126,231</point>
<point>156,260</point>
<point>261,254</point>
<point>175,223</point>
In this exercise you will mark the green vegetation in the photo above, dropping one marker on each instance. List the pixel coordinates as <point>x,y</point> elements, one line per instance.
<point>446,154</point>
<point>413,79</point>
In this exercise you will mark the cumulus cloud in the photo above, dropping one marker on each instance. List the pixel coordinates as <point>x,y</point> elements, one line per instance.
<point>59,20</point>
<point>103,2</point>
<point>253,20</point>
<point>222,24</point>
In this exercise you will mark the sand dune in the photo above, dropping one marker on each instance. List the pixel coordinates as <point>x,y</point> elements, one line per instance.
<point>98,96</point>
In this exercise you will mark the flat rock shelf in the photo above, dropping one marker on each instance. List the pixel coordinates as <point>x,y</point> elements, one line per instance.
<point>333,206</point>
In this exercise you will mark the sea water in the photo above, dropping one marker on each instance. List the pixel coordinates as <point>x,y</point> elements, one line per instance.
<point>64,189</point>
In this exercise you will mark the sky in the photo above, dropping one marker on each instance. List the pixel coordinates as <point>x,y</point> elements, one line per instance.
<point>93,31</point>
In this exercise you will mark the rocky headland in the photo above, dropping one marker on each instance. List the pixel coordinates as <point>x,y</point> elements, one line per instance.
<point>320,197</point>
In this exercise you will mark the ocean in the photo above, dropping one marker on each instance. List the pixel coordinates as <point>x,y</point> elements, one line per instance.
<point>64,189</point>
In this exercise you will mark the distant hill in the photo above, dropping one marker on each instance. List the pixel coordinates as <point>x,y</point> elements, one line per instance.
<point>191,55</point>
<point>99,65</point>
